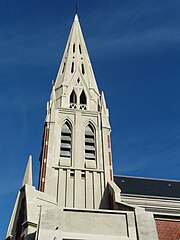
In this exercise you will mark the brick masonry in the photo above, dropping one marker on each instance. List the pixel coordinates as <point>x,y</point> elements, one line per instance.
<point>168,230</point>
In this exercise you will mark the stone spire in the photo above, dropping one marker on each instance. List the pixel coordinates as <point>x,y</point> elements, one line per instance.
<point>28,173</point>
<point>75,65</point>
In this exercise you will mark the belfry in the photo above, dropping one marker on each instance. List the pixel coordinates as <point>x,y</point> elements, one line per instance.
<point>78,197</point>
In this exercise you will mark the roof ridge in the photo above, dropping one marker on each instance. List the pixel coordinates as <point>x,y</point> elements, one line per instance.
<point>155,179</point>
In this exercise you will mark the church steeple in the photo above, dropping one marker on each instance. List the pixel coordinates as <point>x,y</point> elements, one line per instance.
<point>76,156</point>
<point>75,72</point>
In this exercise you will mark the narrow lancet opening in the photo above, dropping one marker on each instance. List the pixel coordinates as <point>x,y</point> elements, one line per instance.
<point>63,67</point>
<point>74,48</point>
<point>83,70</point>
<point>72,67</point>
<point>80,49</point>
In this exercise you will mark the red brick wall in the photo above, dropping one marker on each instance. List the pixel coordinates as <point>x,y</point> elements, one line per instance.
<point>168,229</point>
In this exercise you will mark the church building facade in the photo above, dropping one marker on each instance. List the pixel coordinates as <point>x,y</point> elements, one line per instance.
<point>78,197</point>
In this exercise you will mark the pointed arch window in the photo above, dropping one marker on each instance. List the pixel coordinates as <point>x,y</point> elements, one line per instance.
<point>73,97</point>
<point>90,150</point>
<point>66,134</point>
<point>83,99</point>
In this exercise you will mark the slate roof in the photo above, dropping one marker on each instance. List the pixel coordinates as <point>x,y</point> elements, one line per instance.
<point>148,186</point>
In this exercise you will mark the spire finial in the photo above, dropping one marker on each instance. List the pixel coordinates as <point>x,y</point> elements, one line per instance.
<point>77,7</point>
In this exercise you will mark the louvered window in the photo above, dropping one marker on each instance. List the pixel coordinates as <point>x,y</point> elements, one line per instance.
<point>65,150</point>
<point>90,150</point>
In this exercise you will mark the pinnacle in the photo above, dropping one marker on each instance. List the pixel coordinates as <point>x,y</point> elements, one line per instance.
<point>28,173</point>
<point>103,100</point>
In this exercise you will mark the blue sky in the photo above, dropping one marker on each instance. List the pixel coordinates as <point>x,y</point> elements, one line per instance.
<point>134,47</point>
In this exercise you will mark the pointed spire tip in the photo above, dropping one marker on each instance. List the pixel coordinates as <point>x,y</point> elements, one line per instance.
<point>76,18</point>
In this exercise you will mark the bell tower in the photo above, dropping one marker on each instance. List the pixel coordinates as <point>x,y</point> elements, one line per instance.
<point>76,154</point>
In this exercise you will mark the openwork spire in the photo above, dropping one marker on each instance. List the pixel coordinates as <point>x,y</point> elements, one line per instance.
<point>76,60</point>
